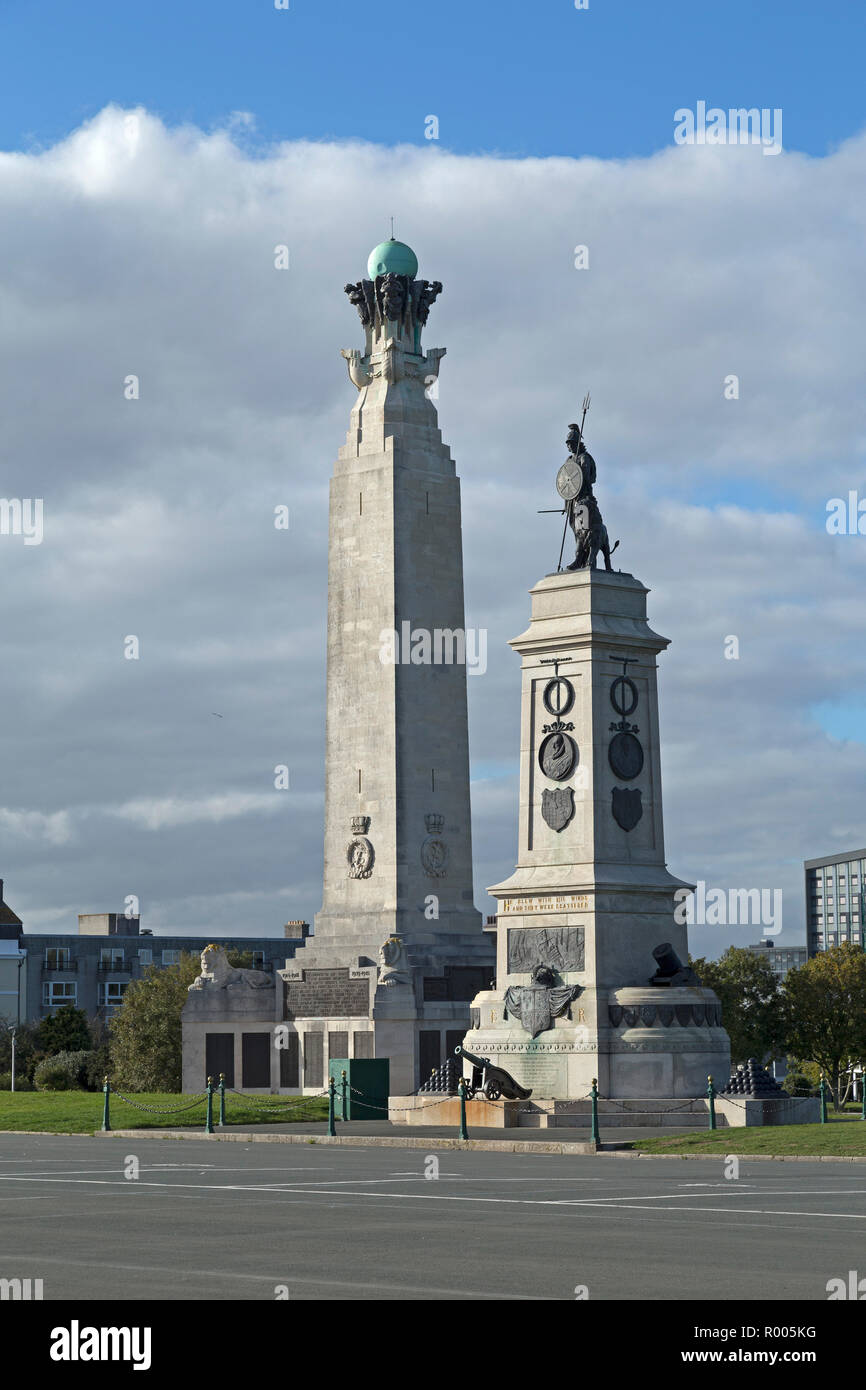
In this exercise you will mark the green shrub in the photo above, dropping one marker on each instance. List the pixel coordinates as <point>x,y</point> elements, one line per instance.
<point>21,1082</point>
<point>97,1067</point>
<point>65,1071</point>
<point>796,1084</point>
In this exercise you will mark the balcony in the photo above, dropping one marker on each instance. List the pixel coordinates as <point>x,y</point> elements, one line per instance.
<point>58,964</point>
<point>117,967</point>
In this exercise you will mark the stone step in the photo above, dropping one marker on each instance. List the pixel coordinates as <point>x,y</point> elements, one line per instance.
<point>618,1114</point>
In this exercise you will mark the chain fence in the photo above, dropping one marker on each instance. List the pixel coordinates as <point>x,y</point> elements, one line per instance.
<point>338,1092</point>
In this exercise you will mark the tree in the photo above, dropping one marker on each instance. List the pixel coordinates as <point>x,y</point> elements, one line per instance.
<point>66,1030</point>
<point>145,1041</point>
<point>27,1052</point>
<point>751,1002</point>
<point>824,1006</point>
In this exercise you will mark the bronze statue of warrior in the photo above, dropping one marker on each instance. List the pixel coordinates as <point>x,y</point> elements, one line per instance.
<point>578,451</point>
<point>590,534</point>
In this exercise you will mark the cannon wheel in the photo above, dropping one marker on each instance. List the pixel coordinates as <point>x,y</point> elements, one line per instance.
<point>493,1090</point>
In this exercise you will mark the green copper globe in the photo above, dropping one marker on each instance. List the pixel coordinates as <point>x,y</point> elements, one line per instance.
<point>394,257</point>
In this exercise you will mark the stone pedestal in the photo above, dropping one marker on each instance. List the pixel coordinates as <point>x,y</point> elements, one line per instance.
<point>591,897</point>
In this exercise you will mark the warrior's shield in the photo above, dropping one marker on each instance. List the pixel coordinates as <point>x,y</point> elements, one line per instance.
<point>557,806</point>
<point>626,806</point>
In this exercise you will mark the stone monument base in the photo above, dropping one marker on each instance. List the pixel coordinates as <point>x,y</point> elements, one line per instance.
<point>663,1113</point>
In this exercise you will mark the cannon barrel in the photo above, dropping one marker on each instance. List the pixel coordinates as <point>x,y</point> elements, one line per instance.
<point>476,1061</point>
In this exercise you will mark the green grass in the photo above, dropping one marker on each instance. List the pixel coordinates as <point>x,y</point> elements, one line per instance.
<point>80,1112</point>
<point>835,1139</point>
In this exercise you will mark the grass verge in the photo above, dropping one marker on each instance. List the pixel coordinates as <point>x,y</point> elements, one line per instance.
<point>837,1138</point>
<point>80,1112</point>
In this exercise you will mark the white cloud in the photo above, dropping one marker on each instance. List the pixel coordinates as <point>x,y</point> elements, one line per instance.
<point>130,248</point>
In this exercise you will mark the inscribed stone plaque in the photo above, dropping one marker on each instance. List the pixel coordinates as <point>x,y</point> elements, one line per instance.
<point>560,947</point>
<point>314,1059</point>
<point>290,1066</point>
<point>544,1074</point>
<point>256,1059</point>
<point>219,1051</point>
<point>326,994</point>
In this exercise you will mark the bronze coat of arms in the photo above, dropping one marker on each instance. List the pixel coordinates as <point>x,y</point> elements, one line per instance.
<point>626,806</point>
<point>557,806</point>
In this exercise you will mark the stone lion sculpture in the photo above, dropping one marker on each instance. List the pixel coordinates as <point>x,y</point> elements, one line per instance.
<point>394,964</point>
<point>216,973</point>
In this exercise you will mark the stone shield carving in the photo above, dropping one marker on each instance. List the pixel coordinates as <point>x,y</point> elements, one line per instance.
<point>537,1007</point>
<point>626,806</point>
<point>359,855</point>
<point>557,806</point>
<point>434,857</point>
<point>434,851</point>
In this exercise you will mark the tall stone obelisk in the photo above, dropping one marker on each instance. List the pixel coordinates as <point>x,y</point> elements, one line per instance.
<point>397,914</point>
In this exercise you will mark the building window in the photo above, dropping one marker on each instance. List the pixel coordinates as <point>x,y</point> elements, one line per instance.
<point>57,957</point>
<point>110,959</point>
<point>171,957</point>
<point>258,960</point>
<point>146,957</point>
<point>111,994</point>
<point>57,992</point>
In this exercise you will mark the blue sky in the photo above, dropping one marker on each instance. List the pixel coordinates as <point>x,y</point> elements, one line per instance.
<point>524,77</point>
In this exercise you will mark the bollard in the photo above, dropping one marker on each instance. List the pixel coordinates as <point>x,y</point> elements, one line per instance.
<point>822,1088</point>
<point>711,1096</point>
<point>463,1132</point>
<point>332,1132</point>
<point>222,1089</point>
<point>594,1094</point>
<point>208,1119</point>
<point>106,1122</point>
<point>344,1087</point>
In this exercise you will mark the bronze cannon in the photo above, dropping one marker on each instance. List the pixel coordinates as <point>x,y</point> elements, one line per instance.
<point>493,1082</point>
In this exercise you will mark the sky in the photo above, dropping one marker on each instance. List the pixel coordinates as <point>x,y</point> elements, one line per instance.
<point>152,157</point>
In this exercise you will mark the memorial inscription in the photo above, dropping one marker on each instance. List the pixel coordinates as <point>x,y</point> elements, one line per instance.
<point>327,993</point>
<point>553,902</point>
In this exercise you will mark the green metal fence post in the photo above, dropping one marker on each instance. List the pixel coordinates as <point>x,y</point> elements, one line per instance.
<point>332,1130</point>
<point>863,1092</point>
<point>822,1088</point>
<point>711,1097</point>
<point>106,1089</point>
<point>208,1121</point>
<point>222,1118</point>
<point>344,1087</point>
<point>594,1094</point>
<point>461,1091</point>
